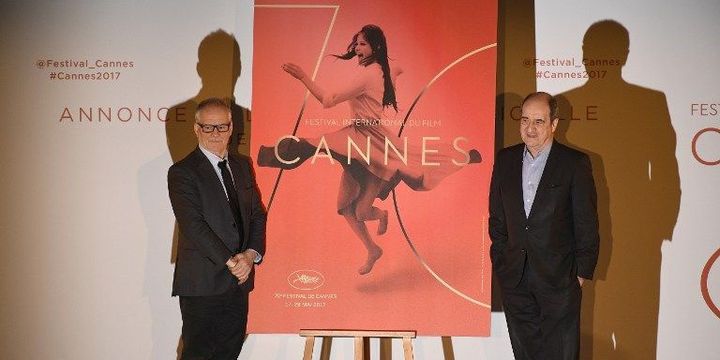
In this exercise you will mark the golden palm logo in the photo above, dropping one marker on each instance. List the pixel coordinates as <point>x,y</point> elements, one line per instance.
<point>306,279</point>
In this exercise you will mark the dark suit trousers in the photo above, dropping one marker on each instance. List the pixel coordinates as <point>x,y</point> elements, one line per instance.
<point>214,326</point>
<point>544,323</point>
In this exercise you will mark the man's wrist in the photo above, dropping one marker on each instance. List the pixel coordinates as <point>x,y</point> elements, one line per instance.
<point>253,255</point>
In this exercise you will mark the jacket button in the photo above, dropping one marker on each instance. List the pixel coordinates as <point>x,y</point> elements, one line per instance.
<point>522,251</point>
<point>527,227</point>
<point>234,225</point>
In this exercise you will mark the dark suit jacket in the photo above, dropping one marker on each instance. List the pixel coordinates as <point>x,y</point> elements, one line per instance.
<point>208,233</point>
<point>559,239</point>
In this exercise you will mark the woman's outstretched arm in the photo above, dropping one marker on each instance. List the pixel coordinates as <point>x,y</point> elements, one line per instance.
<point>354,87</point>
<point>298,73</point>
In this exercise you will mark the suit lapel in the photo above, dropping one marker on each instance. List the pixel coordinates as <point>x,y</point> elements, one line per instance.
<point>213,185</point>
<point>213,189</point>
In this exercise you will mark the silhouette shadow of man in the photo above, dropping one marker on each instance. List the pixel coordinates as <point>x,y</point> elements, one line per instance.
<point>219,68</point>
<point>626,130</point>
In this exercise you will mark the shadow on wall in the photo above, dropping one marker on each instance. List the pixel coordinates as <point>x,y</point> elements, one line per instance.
<point>219,68</point>
<point>515,79</point>
<point>626,130</point>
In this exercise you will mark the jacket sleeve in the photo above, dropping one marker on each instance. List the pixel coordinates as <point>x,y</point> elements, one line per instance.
<point>186,203</point>
<point>585,218</point>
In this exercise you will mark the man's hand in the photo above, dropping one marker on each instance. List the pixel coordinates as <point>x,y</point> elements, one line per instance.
<point>581,281</point>
<point>242,265</point>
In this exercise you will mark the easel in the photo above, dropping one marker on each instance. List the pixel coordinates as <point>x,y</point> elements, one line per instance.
<point>360,336</point>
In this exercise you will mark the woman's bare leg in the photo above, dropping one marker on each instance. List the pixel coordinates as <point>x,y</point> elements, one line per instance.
<point>374,252</point>
<point>364,209</point>
<point>361,210</point>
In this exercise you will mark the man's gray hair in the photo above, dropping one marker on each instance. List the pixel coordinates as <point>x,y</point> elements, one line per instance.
<point>210,103</point>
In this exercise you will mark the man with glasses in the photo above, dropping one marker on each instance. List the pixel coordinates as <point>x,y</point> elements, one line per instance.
<point>222,236</point>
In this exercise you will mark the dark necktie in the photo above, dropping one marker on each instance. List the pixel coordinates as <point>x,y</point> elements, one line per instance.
<point>231,194</point>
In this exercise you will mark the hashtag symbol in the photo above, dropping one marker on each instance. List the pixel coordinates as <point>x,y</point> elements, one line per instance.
<point>52,75</point>
<point>538,74</point>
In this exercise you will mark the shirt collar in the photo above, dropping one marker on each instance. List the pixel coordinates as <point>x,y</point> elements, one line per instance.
<point>541,154</point>
<point>212,157</point>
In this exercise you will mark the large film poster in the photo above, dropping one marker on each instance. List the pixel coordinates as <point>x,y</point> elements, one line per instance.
<point>373,131</point>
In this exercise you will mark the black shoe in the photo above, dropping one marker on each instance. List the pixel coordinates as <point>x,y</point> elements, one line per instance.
<point>289,150</point>
<point>475,157</point>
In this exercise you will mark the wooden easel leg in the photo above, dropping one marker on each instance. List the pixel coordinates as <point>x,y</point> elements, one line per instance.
<point>385,348</point>
<point>359,348</point>
<point>326,348</point>
<point>448,351</point>
<point>361,342</point>
<point>407,348</point>
<point>309,346</point>
<point>366,348</point>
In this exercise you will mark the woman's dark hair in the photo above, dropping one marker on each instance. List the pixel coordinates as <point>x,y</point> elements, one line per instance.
<point>376,38</point>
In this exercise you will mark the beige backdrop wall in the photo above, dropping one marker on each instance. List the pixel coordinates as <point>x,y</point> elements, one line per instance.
<point>636,84</point>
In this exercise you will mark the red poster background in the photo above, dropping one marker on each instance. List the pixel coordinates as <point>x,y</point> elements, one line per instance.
<point>447,225</point>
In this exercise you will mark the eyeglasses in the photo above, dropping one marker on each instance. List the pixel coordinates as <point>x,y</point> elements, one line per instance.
<point>208,128</point>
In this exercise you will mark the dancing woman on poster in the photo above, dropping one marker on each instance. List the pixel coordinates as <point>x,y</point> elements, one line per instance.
<point>388,160</point>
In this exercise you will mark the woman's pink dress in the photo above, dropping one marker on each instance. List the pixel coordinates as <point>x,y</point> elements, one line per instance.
<point>364,93</point>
